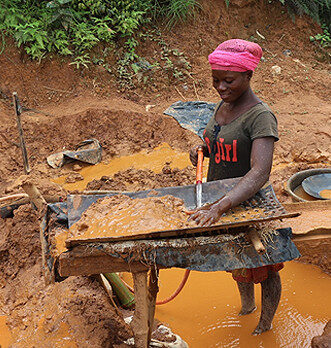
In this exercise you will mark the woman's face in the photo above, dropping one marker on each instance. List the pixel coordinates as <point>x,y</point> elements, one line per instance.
<point>230,85</point>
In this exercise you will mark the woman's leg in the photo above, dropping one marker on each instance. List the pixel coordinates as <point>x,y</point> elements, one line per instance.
<point>246,291</point>
<point>271,291</point>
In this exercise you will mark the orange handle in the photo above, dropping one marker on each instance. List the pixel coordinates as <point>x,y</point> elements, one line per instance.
<point>199,165</point>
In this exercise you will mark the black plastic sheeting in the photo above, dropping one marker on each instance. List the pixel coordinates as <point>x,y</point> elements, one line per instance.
<point>223,252</point>
<point>192,115</point>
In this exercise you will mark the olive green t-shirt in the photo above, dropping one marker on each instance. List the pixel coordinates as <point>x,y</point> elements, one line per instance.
<point>230,145</point>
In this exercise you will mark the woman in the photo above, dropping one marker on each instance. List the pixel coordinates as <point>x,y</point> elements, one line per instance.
<point>239,139</point>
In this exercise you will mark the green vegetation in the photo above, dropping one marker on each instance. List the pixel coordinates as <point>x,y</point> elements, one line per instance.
<point>88,30</point>
<point>324,39</point>
<point>319,10</point>
<point>74,27</point>
<point>77,27</point>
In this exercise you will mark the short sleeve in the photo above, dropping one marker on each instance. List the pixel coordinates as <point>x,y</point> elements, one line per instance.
<point>264,124</point>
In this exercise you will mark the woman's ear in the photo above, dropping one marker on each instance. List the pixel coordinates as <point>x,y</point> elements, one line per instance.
<point>249,74</point>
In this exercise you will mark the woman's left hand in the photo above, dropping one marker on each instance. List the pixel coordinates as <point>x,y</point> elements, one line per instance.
<point>206,216</point>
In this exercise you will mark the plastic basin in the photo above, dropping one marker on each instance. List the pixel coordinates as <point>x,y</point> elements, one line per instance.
<point>296,180</point>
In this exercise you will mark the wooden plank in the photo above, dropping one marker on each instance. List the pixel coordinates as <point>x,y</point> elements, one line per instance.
<point>175,233</point>
<point>312,235</point>
<point>83,261</point>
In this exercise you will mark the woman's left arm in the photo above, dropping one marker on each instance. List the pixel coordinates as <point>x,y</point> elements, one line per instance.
<point>261,163</point>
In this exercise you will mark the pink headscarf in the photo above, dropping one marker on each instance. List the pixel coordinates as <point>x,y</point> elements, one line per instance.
<point>236,55</point>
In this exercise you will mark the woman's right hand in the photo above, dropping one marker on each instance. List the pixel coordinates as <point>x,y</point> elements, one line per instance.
<point>194,153</point>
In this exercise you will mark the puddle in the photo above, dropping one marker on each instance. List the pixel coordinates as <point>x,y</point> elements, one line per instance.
<point>299,191</point>
<point>5,335</point>
<point>154,160</point>
<point>326,193</point>
<point>205,313</point>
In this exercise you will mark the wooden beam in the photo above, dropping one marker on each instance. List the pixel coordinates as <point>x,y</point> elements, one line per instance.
<point>140,321</point>
<point>153,289</point>
<point>256,241</point>
<point>82,260</point>
<point>34,195</point>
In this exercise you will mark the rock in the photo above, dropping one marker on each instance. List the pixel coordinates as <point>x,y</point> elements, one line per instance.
<point>323,341</point>
<point>276,70</point>
<point>287,53</point>
<point>77,168</point>
<point>73,177</point>
<point>149,106</point>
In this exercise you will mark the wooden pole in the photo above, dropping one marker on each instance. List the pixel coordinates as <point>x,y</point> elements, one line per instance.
<point>21,135</point>
<point>35,196</point>
<point>153,289</point>
<point>140,319</point>
<point>256,241</point>
<point>39,201</point>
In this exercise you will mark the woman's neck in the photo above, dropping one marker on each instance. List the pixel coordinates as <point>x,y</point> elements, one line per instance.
<point>248,98</point>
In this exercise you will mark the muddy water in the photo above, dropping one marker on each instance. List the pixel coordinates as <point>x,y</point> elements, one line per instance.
<point>325,194</point>
<point>154,160</point>
<point>5,335</point>
<point>299,191</point>
<point>205,313</point>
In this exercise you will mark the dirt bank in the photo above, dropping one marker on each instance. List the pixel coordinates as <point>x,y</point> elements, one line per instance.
<point>56,311</point>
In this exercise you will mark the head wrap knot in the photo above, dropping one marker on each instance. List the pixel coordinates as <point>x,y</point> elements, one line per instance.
<point>236,55</point>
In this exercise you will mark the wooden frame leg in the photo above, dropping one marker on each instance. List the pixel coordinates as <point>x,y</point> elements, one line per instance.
<point>145,298</point>
<point>140,317</point>
<point>153,289</point>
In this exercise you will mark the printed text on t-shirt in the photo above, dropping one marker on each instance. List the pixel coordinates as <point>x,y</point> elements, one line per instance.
<point>222,151</point>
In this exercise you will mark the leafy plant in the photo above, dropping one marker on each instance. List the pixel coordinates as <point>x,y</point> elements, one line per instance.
<point>323,39</point>
<point>80,61</point>
<point>34,37</point>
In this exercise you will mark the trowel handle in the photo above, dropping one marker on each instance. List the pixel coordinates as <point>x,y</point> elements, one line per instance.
<point>199,164</point>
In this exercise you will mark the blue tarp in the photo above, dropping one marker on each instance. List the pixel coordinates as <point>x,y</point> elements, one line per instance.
<point>222,252</point>
<point>192,115</point>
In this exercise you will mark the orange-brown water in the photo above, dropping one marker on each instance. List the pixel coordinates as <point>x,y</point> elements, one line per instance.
<point>154,160</point>
<point>325,194</point>
<point>204,314</point>
<point>5,335</point>
<point>120,216</point>
<point>299,191</point>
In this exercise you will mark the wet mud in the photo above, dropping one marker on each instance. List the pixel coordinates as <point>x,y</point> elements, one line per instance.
<point>122,216</point>
<point>325,194</point>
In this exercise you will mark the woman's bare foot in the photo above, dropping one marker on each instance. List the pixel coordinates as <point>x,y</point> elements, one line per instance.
<point>261,328</point>
<point>245,311</point>
<point>271,291</point>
